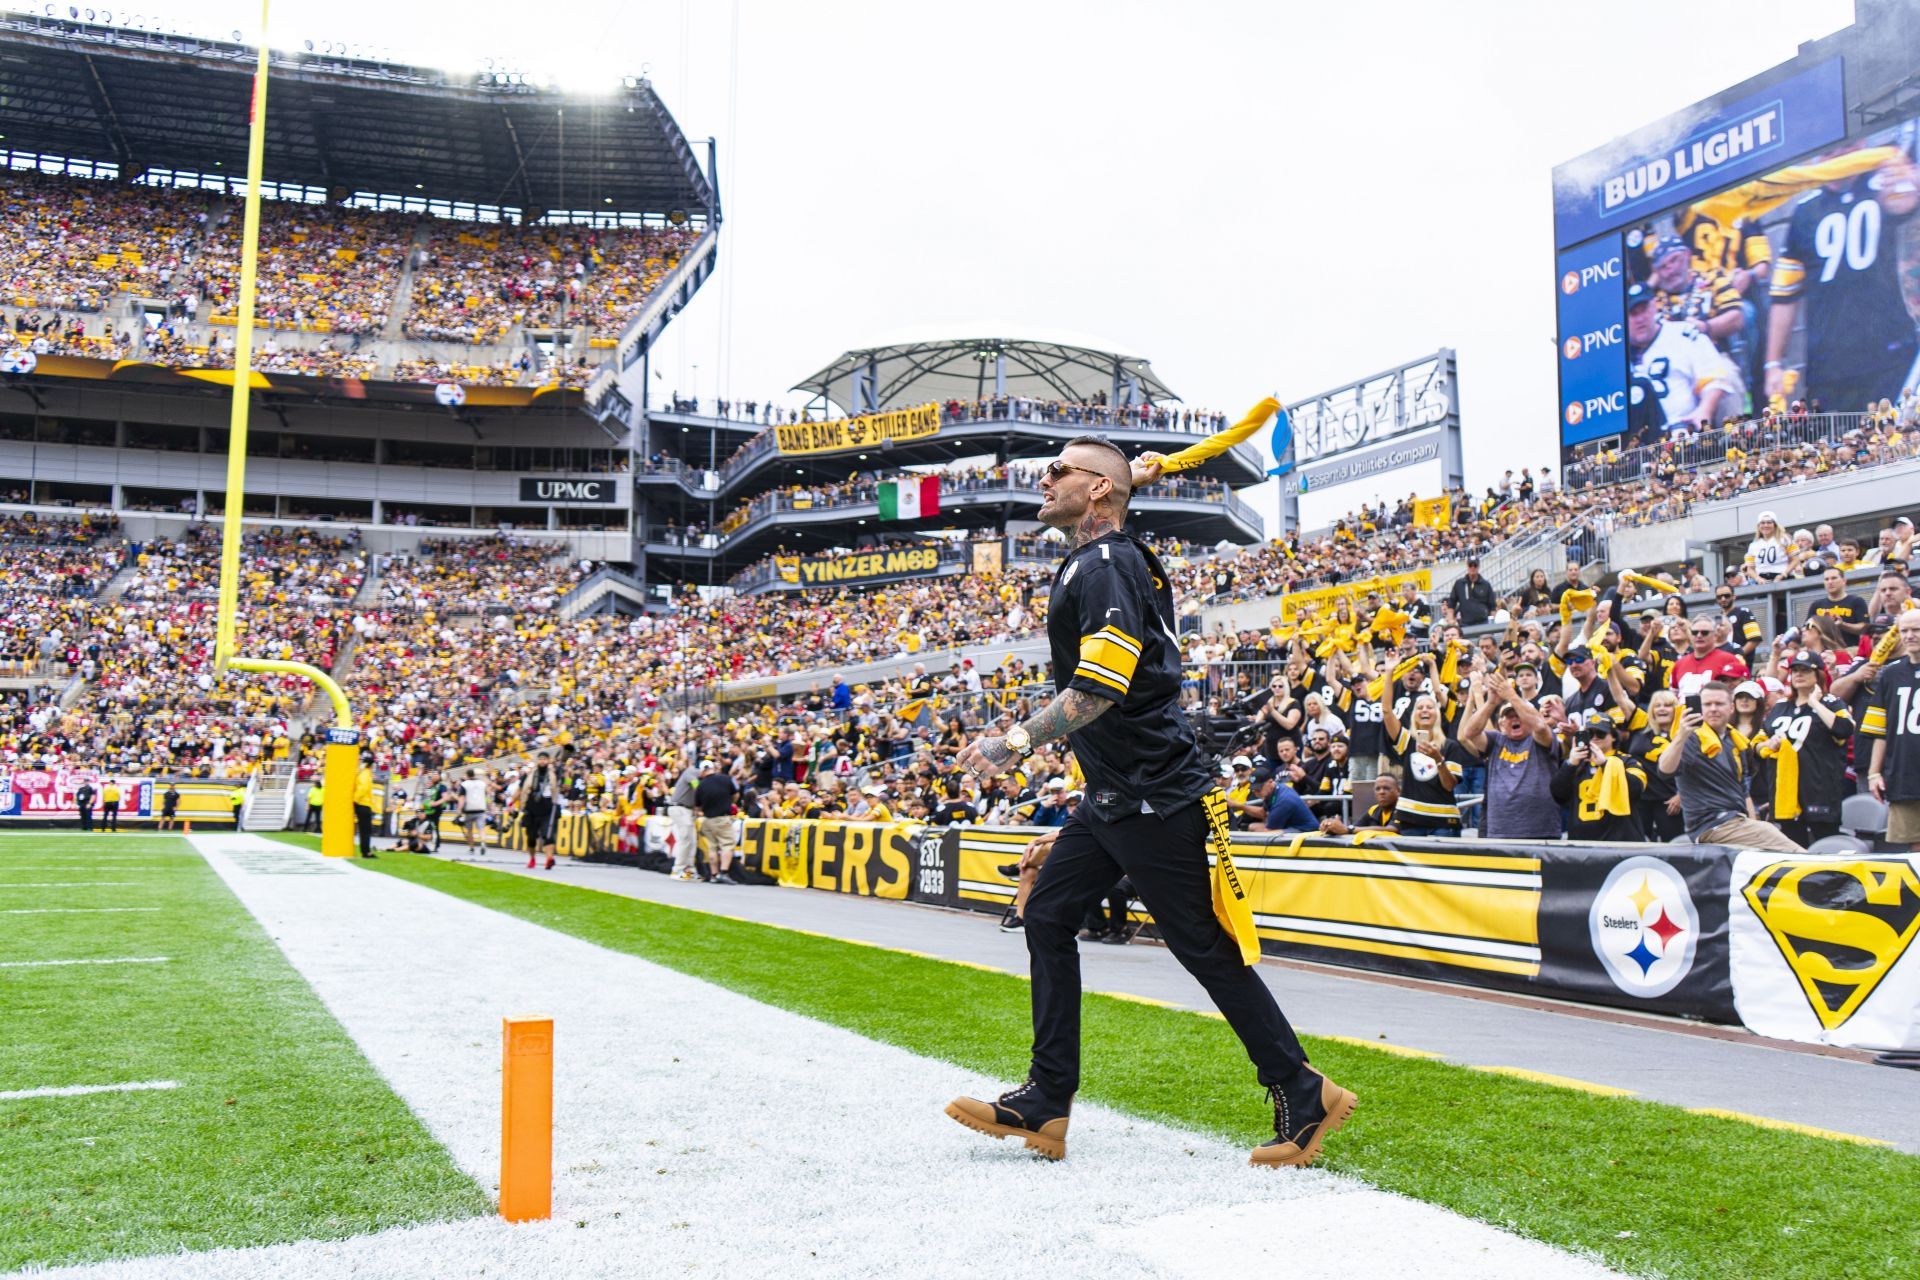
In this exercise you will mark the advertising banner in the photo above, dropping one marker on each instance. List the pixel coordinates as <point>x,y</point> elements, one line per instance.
<point>864,432</point>
<point>549,490</point>
<point>1640,930</point>
<point>1362,464</point>
<point>1727,278</point>
<point>1693,152</point>
<point>1592,303</point>
<point>1823,948</point>
<point>48,794</point>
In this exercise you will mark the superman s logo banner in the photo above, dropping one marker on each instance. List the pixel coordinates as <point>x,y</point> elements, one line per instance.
<point>1841,926</point>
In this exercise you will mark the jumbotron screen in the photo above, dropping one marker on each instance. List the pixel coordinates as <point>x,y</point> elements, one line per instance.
<point>1749,253</point>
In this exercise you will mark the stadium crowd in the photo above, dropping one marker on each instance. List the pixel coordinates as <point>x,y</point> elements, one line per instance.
<point>78,244</point>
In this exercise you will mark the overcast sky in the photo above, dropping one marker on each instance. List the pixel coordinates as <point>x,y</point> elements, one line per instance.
<point>1255,196</point>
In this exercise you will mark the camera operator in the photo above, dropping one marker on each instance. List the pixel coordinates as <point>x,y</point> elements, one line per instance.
<point>1710,762</point>
<point>1602,785</point>
<point>1806,751</point>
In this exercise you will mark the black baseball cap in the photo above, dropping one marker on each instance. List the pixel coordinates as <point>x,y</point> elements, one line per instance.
<point>1474,560</point>
<point>1638,294</point>
<point>1803,658</point>
<point>1579,653</point>
<point>1880,622</point>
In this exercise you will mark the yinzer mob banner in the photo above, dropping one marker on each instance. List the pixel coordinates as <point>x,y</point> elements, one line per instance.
<point>860,566</point>
<point>864,432</point>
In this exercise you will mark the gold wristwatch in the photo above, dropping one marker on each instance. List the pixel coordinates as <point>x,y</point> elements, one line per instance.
<point>1020,741</point>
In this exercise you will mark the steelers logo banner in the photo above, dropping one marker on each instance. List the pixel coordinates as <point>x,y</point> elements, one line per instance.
<point>1824,949</point>
<point>1622,925</point>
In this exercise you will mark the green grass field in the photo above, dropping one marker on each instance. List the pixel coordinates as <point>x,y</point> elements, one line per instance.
<point>278,1130</point>
<point>1650,1188</point>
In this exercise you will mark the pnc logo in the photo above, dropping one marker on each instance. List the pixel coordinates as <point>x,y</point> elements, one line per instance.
<point>1644,926</point>
<point>1576,413</point>
<point>1572,348</point>
<point>1570,282</point>
<point>1840,926</point>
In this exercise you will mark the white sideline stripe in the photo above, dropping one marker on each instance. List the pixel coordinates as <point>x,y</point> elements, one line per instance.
<point>65,911</point>
<point>76,1090</point>
<point>48,964</point>
<point>1393,871</point>
<point>61,884</point>
<point>650,1173</point>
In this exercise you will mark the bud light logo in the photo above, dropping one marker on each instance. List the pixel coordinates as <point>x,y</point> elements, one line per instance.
<point>1572,348</point>
<point>1570,282</point>
<point>1575,413</point>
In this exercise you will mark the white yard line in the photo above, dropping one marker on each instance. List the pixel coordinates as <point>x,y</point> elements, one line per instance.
<point>66,911</point>
<point>76,1090</point>
<point>62,884</point>
<point>81,866</point>
<point>700,1132</point>
<point>52,964</point>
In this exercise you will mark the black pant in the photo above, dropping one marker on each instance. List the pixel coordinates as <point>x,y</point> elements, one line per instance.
<point>1804,831</point>
<point>363,822</point>
<point>86,817</point>
<point>1166,858</point>
<point>110,815</point>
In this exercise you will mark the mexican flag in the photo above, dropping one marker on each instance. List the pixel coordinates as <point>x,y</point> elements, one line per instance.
<point>910,498</point>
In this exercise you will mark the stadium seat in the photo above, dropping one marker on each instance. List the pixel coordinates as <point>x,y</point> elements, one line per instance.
<point>1840,844</point>
<point>1863,815</point>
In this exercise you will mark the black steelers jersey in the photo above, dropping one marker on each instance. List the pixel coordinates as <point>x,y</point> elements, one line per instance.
<point>1893,713</point>
<point>1110,626</point>
<point>1842,258</point>
<point>1822,755</point>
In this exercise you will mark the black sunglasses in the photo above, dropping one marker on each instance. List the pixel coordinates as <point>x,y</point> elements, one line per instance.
<point>1058,470</point>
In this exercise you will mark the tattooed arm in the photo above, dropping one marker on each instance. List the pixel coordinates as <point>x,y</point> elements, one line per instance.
<point>1073,709</point>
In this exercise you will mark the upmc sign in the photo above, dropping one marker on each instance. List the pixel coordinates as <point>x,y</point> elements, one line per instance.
<point>1593,341</point>
<point>596,492</point>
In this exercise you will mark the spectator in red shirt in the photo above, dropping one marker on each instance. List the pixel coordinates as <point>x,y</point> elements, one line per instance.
<point>1707,661</point>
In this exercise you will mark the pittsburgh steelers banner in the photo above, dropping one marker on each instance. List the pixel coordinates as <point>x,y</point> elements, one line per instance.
<point>864,432</point>
<point>1388,585</point>
<point>1824,948</point>
<point>869,859</point>
<point>1640,926</point>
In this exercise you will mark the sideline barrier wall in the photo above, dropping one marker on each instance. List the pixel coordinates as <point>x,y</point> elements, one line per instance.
<point>1793,946</point>
<point>45,797</point>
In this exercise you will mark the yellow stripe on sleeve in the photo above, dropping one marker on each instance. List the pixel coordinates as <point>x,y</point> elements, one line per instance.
<point>1094,671</point>
<point>1874,722</point>
<point>1102,650</point>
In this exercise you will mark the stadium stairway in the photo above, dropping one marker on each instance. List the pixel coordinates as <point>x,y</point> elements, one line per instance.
<point>396,325</point>
<point>117,585</point>
<point>591,594</point>
<point>269,802</point>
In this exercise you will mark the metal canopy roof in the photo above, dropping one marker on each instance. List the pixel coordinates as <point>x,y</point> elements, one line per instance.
<point>146,100</point>
<point>969,369</point>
